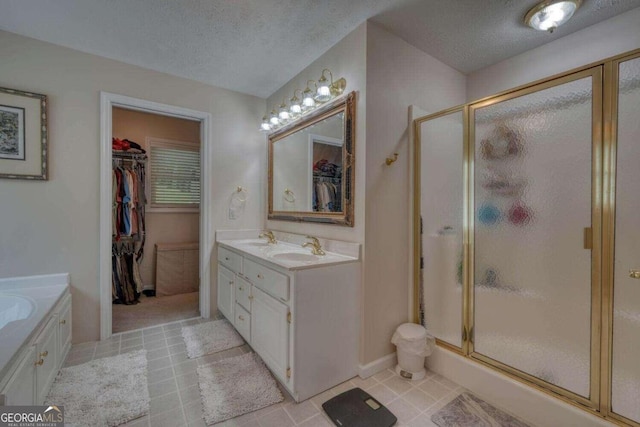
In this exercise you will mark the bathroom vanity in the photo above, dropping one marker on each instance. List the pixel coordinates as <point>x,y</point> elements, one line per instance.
<point>299,311</point>
<point>35,332</point>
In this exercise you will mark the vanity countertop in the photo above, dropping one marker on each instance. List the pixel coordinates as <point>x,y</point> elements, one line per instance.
<point>287,255</point>
<point>43,292</point>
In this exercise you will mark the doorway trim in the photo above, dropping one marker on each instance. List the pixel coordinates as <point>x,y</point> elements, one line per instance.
<point>107,102</point>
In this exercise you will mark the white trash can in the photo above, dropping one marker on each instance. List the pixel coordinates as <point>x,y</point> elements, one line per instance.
<point>413,345</point>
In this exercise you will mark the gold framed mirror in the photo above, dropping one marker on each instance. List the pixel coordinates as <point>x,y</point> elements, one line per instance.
<point>311,166</point>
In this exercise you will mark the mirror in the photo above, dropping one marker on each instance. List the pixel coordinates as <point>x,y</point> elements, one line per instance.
<point>311,175</point>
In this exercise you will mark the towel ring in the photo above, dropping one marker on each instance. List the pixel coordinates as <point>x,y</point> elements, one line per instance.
<point>289,196</point>
<point>239,191</point>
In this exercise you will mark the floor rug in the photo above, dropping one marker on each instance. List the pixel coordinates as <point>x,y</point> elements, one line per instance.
<point>103,392</point>
<point>210,337</point>
<point>468,410</point>
<point>236,386</point>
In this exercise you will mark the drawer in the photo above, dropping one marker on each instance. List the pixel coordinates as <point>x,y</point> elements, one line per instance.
<point>242,322</point>
<point>230,259</point>
<point>243,293</point>
<point>268,280</point>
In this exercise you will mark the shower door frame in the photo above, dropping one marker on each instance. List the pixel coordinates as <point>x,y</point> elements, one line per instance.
<point>604,142</point>
<point>611,84</point>
<point>596,208</point>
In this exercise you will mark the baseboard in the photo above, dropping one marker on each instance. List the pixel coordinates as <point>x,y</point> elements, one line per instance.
<point>522,400</point>
<point>372,368</point>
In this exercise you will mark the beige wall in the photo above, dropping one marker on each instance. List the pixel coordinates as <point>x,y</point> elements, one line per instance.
<point>161,227</point>
<point>54,224</point>
<point>398,75</point>
<point>614,36</point>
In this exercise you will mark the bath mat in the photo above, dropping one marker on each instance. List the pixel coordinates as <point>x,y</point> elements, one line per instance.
<point>210,337</point>
<point>468,410</point>
<point>103,392</point>
<point>236,386</point>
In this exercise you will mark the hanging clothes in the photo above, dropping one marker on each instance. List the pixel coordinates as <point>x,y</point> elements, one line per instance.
<point>128,225</point>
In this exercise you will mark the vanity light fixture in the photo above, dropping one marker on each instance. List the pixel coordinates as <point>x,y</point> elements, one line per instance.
<point>273,118</point>
<point>265,126</point>
<point>296,108</point>
<point>325,90</point>
<point>550,14</point>
<point>308,100</point>
<point>283,113</point>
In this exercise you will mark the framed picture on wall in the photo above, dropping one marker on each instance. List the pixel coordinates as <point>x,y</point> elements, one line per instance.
<point>23,135</point>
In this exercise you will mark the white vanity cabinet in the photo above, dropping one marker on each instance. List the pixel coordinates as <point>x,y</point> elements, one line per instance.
<point>303,322</point>
<point>30,377</point>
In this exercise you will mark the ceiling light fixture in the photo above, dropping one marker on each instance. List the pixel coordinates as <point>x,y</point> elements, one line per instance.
<point>325,90</point>
<point>550,14</point>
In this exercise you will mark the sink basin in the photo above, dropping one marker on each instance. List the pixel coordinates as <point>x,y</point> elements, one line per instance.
<point>295,256</point>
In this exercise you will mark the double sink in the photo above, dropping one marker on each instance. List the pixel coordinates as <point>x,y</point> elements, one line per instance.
<point>285,254</point>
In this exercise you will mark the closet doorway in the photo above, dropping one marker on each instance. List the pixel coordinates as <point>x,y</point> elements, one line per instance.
<point>153,233</point>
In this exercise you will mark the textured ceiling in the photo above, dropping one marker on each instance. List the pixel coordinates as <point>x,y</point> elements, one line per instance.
<point>471,34</point>
<point>256,46</point>
<point>252,46</point>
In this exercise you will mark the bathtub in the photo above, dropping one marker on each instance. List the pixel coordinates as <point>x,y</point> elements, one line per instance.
<point>25,303</point>
<point>14,308</point>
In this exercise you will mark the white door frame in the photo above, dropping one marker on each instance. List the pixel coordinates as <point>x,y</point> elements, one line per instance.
<point>107,102</point>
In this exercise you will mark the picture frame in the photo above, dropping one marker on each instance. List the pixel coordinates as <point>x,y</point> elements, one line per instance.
<point>23,135</point>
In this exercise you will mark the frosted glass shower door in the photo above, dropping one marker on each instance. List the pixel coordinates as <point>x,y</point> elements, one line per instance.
<point>625,385</point>
<point>441,145</point>
<point>532,188</point>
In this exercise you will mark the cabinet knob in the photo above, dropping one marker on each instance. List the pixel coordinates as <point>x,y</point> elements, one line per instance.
<point>240,287</point>
<point>63,321</point>
<point>39,362</point>
<point>231,282</point>
<point>226,258</point>
<point>634,274</point>
<point>259,276</point>
<point>44,353</point>
<point>250,296</point>
<point>241,317</point>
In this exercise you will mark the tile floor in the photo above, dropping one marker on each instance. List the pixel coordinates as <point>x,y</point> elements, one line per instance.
<point>175,396</point>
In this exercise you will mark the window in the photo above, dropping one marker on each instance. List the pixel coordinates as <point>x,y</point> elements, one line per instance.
<point>174,174</point>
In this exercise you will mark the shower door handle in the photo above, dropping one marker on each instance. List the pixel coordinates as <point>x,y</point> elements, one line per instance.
<point>634,274</point>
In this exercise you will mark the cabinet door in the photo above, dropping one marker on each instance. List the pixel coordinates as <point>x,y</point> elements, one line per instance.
<point>46,359</point>
<point>226,294</point>
<point>64,328</point>
<point>20,388</point>
<point>270,332</point>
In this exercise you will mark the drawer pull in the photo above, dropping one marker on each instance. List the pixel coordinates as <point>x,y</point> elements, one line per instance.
<point>241,317</point>
<point>39,362</point>
<point>259,276</point>
<point>44,353</point>
<point>63,321</point>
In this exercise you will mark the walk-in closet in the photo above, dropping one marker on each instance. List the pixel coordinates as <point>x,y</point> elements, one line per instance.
<point>155,219</point>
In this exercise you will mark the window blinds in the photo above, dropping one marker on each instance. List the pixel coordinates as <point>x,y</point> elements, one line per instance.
<point>174,175</point>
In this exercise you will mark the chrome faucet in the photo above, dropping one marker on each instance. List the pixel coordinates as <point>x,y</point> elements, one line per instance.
<point>269,235</point>
<point>316,249</point>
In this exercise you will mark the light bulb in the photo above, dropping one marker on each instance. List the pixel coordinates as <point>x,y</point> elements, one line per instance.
<point>273,119</point>
<point>323,93</point>
<point>295,109</point>
<point>307,100</point>
<point>265,126</point>
<point>283,114</point>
